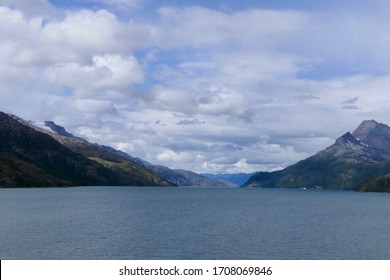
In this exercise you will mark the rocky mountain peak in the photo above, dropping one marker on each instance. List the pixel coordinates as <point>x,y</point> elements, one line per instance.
<point>58,129</point>
<point>347,138</point>
<point>367,127</point>
<point>375,135</point>
<point>354,158</point>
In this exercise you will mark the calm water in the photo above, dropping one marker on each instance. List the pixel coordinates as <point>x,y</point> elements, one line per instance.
<point>192,223</point>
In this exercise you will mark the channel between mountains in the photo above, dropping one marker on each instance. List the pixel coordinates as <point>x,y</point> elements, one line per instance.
<point>47,155</point>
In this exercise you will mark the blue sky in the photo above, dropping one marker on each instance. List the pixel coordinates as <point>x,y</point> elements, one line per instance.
<point>209,86</point>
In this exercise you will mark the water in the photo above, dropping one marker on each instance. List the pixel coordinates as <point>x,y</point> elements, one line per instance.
<point>192,223</point>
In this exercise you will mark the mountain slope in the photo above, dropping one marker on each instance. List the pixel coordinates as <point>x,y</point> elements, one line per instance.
<point>352,159</point>
<point>125,164</point>
<point>129,173</point>
<point>375,135</point>
<point>29,158</point>
<point>378,184</point>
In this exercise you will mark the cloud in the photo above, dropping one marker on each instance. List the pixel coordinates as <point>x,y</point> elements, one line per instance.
<point>40,7</point>
<point>305,98</point>
<point>346,41</point>
<point>171,156</point>
<point>108,76</point>
<point>189,122</point>
<point>124,3</point>
<point>351,107</point>
<point>350,101</point>
<point>194,87</point>
<point>82,34</point>
<point>350,104</point>
<point>264,27</point>
<point>95,106</point>
<point>117,5</point>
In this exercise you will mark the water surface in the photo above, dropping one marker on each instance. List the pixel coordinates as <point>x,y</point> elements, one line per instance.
<point>192,223</point>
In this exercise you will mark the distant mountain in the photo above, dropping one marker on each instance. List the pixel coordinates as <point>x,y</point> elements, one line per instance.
<point>235,178</point>
<point>352,159</point>
<point>195,179</point>
<point>34,157</point>
<point>183,177</point>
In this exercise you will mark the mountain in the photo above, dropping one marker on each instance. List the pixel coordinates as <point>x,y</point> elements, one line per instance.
<point>125,164</point>
<point>374,135</point>
<point>378,184</point>
<point>29,158</point>
<point>58,129</point>
<point>352,159</point>
<point>34,157</point>
<point>194,179</point>
<point>237,178</point>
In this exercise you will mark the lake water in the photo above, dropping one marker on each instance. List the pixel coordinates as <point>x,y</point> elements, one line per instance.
<point>192,223</point>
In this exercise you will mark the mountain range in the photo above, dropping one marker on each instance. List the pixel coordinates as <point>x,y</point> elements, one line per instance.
<point>46,155</point>
<point>237,178</point>
<point>355,158</point>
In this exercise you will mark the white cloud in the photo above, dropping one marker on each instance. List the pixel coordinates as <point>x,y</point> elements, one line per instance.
<point>107,75</point>
<point>170,156</point>
<point>94,106</point>
<point>196,88</point>
<point>82,34</point>
<point>199,27</point>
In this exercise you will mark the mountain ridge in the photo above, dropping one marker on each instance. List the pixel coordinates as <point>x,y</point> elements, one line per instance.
<point>106,155</point>
<point>34,157</point>
<point>29,158</point>
<point>352,159</point>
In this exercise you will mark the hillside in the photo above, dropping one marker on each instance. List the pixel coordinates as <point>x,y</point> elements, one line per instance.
<point>33,157</point>
<point>29,158</point>
<point>352,159</point>
<point>126,165</point>
<point>378,184</point>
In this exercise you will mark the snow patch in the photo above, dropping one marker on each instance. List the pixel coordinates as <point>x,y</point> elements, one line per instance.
<point>41,125</point>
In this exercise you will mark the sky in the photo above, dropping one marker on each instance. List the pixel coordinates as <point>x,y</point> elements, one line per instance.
<point>209,86</point>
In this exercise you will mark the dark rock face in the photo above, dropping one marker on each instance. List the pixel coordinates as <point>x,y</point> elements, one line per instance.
<point>352,159</point>
<point>59,129</point>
